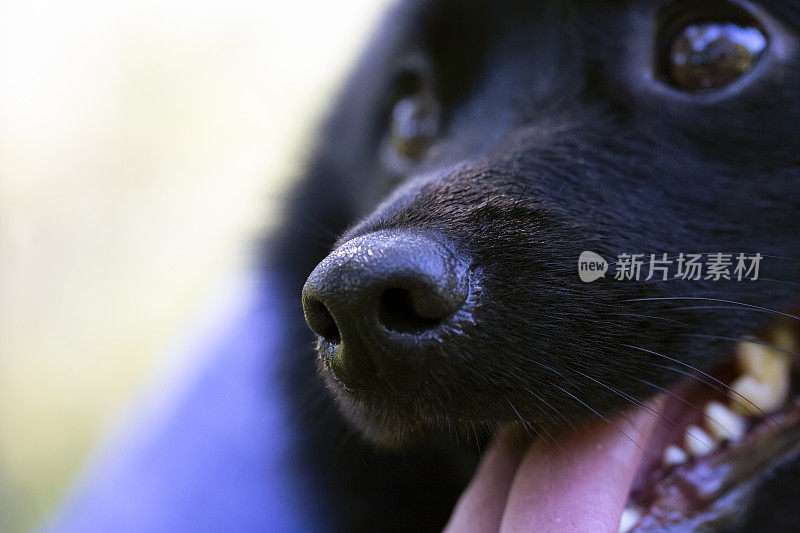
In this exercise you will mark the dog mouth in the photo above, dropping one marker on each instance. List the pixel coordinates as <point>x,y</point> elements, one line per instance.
<point>717,434</point>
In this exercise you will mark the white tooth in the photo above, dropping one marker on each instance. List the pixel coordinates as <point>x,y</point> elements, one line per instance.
<point>723,424</point>
<point>784,338</point>
<point>764,363</point>
<point>698,442</point>
<point>751,397</point>
<point>674,455</point>
<point>629,518</point>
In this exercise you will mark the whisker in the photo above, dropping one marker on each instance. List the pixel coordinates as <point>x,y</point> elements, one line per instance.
<point>548,404</point>
<point>723,307</point>
<point>689,375</point>
<point>636,315</point>
<point>631,399</point>
<point>685,401</point>
<point>701,372</point>
<point>477,440</point>
<point>552,440</point>
<point>561,375</point>
<point>664,298</point>
<point>521,194</point>
<point>525,424</point>
<point>780,281</point>
<point>313,221</point>
<point>542,426</point>
<point>598,414</point>
<point>667,391</point>
<point>742,339</point>
<point>780,257</point>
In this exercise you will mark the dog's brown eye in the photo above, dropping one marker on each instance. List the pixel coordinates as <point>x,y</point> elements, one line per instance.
<point>711,55</point>
<point>414,124</point>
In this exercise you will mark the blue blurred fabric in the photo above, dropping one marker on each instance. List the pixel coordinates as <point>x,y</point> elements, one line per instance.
<point>213,457</point>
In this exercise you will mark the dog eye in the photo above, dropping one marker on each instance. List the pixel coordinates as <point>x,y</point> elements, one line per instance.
<point>704,56</point>
<point>414,119</point>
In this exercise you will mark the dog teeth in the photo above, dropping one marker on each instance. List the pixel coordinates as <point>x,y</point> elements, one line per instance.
<point>673,455</point>
<point>763,387</point>
<point>630,516</point>
<point>751,397</point>
<point>766,375</point>
<point>698,443</point>
<point>784,338</point>
<point>766,364</point>
<point>723,424</point>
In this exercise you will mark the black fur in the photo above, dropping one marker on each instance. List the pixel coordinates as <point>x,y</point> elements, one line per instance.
<point>555,140</point>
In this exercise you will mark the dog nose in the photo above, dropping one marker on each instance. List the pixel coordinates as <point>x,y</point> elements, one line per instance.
<point>380,303</point>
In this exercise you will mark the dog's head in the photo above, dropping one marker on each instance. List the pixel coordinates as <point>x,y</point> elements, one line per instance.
<point>483,146</point>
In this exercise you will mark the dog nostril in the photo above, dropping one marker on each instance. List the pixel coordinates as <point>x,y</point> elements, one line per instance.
<point>378,303</point>
<point>398,311</point>
<point>321,321</point>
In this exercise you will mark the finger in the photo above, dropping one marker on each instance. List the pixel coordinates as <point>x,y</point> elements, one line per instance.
<point>581,485</point>
<point>480,508</point>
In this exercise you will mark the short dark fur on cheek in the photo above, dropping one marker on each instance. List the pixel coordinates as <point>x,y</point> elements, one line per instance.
<point>536,323</point>
<point>550,146</point>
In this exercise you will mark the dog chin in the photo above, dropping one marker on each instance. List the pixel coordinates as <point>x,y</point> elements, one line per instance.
<point>384,423</point>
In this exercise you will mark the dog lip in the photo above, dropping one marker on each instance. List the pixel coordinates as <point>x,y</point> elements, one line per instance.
<point>709,488</point>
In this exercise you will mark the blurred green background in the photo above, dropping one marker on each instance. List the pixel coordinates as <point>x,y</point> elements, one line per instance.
<point>143,145</point>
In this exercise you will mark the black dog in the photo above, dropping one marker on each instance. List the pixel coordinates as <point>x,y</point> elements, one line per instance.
<point>478,150</point>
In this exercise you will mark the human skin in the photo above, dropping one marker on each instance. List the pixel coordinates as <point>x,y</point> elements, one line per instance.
<point>579,483</point>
